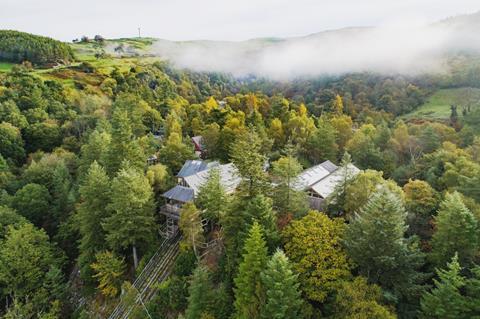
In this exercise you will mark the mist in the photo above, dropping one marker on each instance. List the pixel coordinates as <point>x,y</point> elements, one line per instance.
<point>404,48</point>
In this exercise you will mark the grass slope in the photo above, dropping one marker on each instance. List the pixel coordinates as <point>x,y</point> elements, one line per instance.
<point>5,66</point>
<point>438,105</point>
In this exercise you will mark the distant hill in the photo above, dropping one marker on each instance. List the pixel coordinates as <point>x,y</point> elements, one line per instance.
<point>17,47</point>
<point>408,49</point>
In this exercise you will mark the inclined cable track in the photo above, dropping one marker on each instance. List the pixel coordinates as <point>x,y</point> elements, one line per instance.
<point>157,270</point>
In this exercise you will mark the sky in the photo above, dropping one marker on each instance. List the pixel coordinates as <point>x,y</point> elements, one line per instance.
<point>216,19</point>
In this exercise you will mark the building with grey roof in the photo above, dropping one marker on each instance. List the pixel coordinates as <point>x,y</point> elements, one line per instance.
<point>321,180</point>
<point>191,177</point>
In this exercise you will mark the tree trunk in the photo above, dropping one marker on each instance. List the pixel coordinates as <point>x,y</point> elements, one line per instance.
<point>135,257</point>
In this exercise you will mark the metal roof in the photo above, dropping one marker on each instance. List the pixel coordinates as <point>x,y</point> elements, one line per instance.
<point>192,167</point>
<point>314,174</point>
<point>228,177</point>
<point>326,186</point>
<point>329,166</point>
<point>180,193</point>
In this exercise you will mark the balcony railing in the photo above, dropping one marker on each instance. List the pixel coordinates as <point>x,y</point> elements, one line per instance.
<point>171,210</point>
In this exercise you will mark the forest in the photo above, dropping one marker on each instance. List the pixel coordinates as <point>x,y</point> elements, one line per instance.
<point>18,47</point>
<point>88,153</point>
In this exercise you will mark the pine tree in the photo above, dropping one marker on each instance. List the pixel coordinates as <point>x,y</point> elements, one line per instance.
<point>212,197</point>
<point>248,159</point>
<point>337,200</point>
<point>123,146</point>
<point>456,231</point>
<point>249,291</point>
<point>94,198</point>
<point>376,243</point>
<point>94,150</point>
<point>199,294</point>
<point>175,152</point>
<point>131,221</point>
<point>63,198</point>
<point>322,144</point>
<point>259,209</point>
<point>445,300</point>
<point>282,294</point>
<point>472,288</point>
<point>286,198</point>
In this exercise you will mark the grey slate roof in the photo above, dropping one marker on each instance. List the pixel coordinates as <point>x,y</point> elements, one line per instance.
<point>180,193</point>
<point>192,167</point>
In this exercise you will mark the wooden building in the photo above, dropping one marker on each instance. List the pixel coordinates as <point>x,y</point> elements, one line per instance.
<point>190,178</point>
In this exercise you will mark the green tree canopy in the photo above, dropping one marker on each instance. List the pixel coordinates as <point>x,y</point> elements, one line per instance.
<point>313,244</point>
<point>456,232</point>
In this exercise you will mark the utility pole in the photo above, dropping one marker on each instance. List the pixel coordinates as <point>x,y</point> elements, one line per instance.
<point>139,35</point>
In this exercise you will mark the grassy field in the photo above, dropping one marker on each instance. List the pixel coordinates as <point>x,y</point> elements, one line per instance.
<point>5,67</point>
<point>437,106</point>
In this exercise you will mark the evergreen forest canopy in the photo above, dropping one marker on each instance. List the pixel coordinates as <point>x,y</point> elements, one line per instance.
<point>88,149</point>
<point>18,47</point>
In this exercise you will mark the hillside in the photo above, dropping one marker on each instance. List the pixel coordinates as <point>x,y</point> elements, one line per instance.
<point>437,106</point>
<point>414,49</point>
<point>17,47</point>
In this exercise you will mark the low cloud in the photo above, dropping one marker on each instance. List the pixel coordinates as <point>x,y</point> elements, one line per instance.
<point>406,50</point>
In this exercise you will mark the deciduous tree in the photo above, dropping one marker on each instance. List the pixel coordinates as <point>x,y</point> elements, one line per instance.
<point>313,244</point>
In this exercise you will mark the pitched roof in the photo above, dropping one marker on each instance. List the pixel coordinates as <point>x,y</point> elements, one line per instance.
<point>228,177</point>
<point>326,186</point>
<point>180,193</point>
<point>192,167</point>
<point>197,140</point>
<point>329,166</point>
<point>314,174</point>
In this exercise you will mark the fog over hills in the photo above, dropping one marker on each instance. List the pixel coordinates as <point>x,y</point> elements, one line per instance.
<point>390,49</point>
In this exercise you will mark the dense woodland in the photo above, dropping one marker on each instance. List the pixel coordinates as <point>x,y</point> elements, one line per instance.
<point>18,47</point>
<point>399,240</point>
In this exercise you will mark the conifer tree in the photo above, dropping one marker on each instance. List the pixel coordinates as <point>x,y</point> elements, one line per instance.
<point>131,221</point>
<point>175,152</point>
<point>123,146</point>
<point>199,294</point>
<point>456,231</point>
<point>282,294</point>
<point>94,150</point>
<point>259,209</point>
<point>286,198</point>
<point>212,197</point>
<point>445,300</point>
<point>322,145</point>
<point>249,291</point>
<point>337,200</point>
<point>376,243</point>
<point>94,198</point>
<point>472,288</point>
<point>248,159</point>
